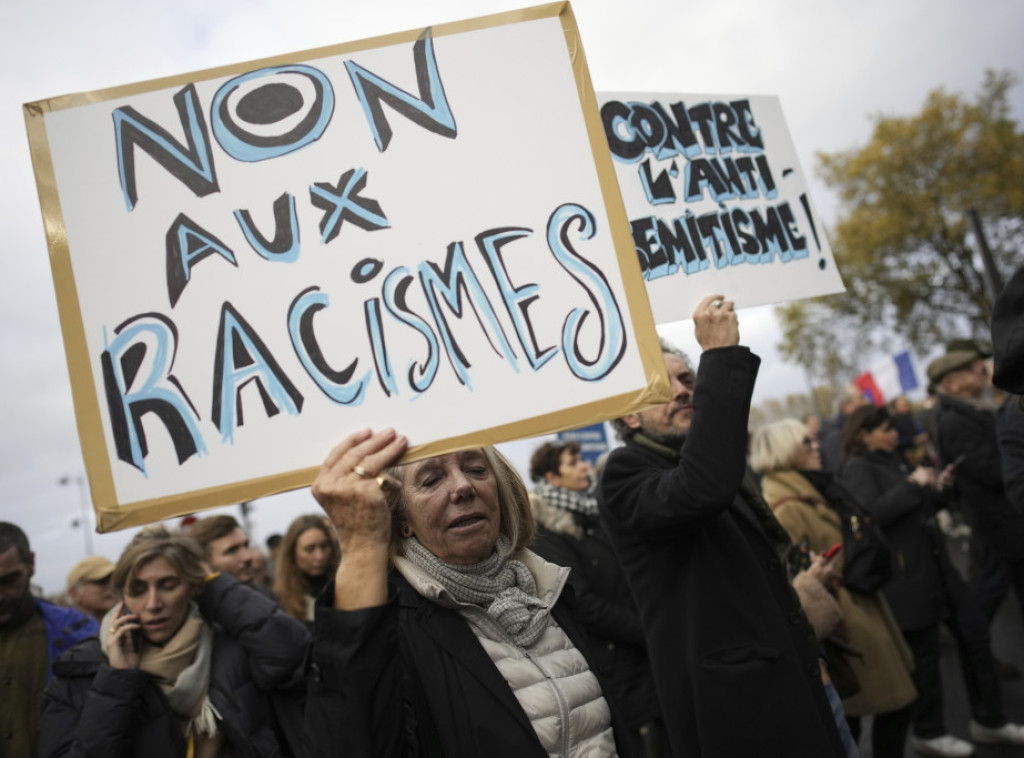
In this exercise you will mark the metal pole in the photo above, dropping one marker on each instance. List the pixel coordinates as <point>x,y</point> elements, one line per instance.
<point>83,497</point>
<point>83,489</point>
<point>992,276</point>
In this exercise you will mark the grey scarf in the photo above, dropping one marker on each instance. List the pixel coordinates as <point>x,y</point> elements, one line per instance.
<point>505,589</point>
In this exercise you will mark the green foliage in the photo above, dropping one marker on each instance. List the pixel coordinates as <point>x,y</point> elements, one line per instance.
<point>904,242</point>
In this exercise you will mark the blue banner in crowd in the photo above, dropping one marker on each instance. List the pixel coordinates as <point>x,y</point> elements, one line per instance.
<point>593,441</point>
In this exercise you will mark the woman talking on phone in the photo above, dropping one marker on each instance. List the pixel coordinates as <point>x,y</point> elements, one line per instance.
<point>184,666</point>
<point>925,589</point>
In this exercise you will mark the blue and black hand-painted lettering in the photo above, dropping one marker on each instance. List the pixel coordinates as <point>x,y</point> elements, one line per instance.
<point>137,381</point>
<point>414,323</point>
<point>265,114</point>
<point>187,244</point>
<point>265,97</point>
<point>284,246</point>
<point>344,203</point>
<point>591,339</point>
<point>192,165</point>
<point>430,110</point>
<point>722,153</point>
<point>243,358</point>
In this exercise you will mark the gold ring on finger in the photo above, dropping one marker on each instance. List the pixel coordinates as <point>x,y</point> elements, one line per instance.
<point>362,472</point>
<point>383,482</point>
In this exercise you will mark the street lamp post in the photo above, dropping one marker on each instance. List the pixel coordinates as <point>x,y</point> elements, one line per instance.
<point>84,522</point>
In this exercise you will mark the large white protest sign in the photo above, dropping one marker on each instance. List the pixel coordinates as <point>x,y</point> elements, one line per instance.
<point>421,231</point>
<point>717,201</point>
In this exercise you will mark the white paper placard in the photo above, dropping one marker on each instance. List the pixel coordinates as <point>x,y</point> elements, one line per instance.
<point>255,261</point>
<point>716,199</point>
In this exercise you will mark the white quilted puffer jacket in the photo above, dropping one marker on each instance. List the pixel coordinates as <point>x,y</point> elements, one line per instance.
<point>551,679</point>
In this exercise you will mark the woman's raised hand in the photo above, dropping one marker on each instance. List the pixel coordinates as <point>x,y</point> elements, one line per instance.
<point>352,490</point>
<point>351,487</point>
<point>120,648</point>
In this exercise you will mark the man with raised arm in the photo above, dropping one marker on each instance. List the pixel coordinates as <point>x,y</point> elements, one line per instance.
<point>734,660</point>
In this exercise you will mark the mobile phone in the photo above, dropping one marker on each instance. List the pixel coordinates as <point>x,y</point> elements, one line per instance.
<point>827,555</point>
<point>134,635</point>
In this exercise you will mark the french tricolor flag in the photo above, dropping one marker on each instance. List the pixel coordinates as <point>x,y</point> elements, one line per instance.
<point>889,379</point>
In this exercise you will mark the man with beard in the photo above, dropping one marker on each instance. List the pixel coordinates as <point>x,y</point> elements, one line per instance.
<point>32,633</point>
<point>734,660</point>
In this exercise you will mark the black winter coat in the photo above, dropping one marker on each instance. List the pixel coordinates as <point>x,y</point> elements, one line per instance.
<point>409,678</point>
<point>1010,425</point>
<point>971,432</point>
<point>606,610</point>
<point>735,662</point>
<point>922,575</point>
<point>93,709</point>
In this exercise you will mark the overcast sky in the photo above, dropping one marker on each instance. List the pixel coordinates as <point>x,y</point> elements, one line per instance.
<point>832,64</point>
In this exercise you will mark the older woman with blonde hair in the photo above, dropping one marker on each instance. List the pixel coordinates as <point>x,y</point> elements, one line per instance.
<point>185,664</point>
<point>442,634</point>
<point>807,502</point>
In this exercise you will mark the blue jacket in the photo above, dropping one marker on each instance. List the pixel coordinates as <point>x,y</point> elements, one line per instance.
<point>65,627</point>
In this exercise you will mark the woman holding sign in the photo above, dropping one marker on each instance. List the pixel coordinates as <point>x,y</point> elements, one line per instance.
<point>186,665</point>
<point>442,634</point>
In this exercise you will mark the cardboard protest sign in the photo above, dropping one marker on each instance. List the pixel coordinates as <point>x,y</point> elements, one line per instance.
<point>717,201</point>
<point>420,231</point>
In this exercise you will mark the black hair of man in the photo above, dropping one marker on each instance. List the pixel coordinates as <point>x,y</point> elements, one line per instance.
<point>548,457</point>
<point>13,536</point>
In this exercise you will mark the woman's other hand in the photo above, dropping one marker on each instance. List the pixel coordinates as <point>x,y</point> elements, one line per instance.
<point>120,647</point>
<point>351,489</point>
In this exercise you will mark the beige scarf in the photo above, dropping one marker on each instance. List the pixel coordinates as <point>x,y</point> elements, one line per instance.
<point>181,668</point>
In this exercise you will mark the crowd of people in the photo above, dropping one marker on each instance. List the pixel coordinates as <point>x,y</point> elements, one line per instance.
<point>693,595</point>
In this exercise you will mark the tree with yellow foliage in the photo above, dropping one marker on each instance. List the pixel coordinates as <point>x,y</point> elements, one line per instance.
<point>905,243</point>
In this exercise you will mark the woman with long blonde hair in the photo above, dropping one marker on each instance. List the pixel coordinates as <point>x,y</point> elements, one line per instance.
<point>307,559</point>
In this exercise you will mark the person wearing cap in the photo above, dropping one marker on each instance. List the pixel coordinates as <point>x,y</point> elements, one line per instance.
<point>967,436</point>
<point>89,586</point>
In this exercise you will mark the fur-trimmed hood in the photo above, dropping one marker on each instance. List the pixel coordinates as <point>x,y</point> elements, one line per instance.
<point>557,520</point>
